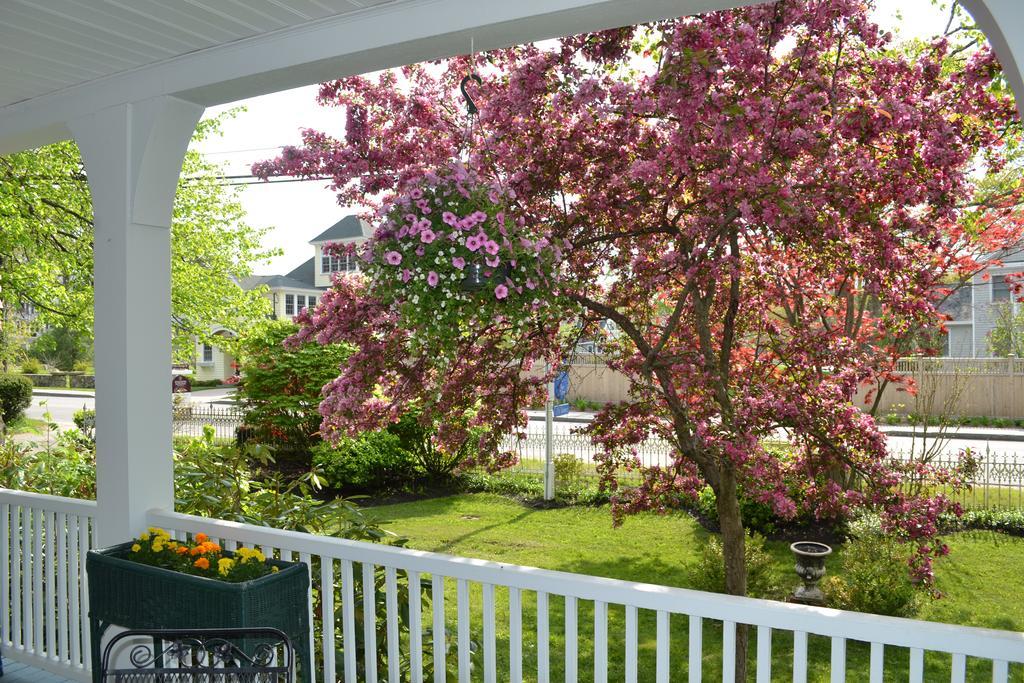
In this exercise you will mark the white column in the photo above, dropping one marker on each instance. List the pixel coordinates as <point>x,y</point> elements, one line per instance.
<point>133,155</point>
<point>1003,24</point>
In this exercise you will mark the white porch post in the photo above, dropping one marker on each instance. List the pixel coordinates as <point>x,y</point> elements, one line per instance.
<point>133,154</point>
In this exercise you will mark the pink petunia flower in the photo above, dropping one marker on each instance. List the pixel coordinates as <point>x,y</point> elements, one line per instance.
<point>473,243</point>
<point>427,236</point>
<point>459,262</point>
<point>406,275</point>
<point>492,247</point>
<point>432,279</point>
<point>493,262</point>
<point>393,258</point>
<point>450,218</point>
<point>500,292</point>
<point>420,251</point>
<point>416,193</point>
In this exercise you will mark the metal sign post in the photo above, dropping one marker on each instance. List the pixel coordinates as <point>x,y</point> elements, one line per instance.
<point>549,436</point>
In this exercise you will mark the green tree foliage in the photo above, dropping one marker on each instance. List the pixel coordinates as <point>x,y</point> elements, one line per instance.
<point>47,237</point>
<point>1007,335</point>
<point>62,347</point>
<point>280,387</point>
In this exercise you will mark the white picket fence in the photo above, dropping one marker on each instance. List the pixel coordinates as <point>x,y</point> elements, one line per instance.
<point>45,607</point>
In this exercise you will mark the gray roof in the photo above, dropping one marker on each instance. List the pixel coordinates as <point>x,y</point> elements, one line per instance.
<point>347,228</point>
<point>305,273</point>
<point>303,277</point>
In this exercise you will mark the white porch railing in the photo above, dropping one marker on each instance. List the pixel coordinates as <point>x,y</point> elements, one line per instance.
<point>544,612</point>
<point>45,619</point>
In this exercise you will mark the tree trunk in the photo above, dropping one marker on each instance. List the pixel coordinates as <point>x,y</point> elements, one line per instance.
<point>733,543</point>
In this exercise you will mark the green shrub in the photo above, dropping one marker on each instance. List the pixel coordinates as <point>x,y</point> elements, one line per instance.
<point>82,366</point>
<point>31,366</point>
<point>85,420</point>
<point>568,470</point>
<point>280,389</point>
<point>66,467</point>
<point>436,464</point>
<point>373,462</point>
<point>1009,522</point>
<point>15,397</point>
<point>757,517</point>
<point>874,577</point>
<point>763,580</point>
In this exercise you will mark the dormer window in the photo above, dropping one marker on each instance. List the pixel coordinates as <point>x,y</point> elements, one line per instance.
<point>338,263</point>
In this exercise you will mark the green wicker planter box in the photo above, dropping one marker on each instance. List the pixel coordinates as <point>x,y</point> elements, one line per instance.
<point>137,596</point>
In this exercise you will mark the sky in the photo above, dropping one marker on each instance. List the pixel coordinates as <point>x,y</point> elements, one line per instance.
<point>296,212</point>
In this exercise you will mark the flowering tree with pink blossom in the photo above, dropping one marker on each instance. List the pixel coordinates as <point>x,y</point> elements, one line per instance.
<point>763,200</point>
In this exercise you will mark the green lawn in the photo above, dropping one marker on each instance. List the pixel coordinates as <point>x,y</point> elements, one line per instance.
<point>982,580</point>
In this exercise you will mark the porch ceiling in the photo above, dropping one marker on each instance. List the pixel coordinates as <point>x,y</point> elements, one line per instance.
<point>64,59</point>
<point>49,45</point>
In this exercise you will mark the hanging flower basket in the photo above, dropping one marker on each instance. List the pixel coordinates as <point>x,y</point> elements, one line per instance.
<point>450,252</point>
<point>133,595</point>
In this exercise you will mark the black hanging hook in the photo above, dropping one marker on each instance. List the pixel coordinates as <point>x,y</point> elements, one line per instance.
<point>470,105</point>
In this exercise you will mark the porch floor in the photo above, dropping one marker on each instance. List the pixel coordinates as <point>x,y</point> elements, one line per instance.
<point>16,672</point>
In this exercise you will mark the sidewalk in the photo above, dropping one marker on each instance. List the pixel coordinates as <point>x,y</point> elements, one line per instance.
<point>219,395</point>
<point>70,393</point>
<point>572,416</point>
<point>972,433</point>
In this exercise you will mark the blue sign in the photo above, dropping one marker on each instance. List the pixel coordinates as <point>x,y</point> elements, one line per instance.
<point>560,409</point>
<point>561,385</point>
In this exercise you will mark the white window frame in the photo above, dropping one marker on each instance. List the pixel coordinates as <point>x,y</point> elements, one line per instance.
<point>1004,270</point>
<point>300,303</point>
<point>206,348</point>
<point>289,304</point>
<point>338,263</point>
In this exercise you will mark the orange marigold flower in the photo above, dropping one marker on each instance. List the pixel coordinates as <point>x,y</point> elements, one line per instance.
<point>195,551</point>
<point>202,563</point>
<point>201,537</point>
<point>181,550</point>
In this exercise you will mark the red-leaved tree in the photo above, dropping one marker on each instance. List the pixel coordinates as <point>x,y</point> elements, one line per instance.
<point>764,202</point>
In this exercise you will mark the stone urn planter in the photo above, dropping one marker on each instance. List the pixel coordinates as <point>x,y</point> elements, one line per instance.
<point>810,567</point>
<point>137,596</point>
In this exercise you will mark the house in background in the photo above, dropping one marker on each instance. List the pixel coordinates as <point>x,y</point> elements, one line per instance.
<point>973,309</point>
<point>290,293</point>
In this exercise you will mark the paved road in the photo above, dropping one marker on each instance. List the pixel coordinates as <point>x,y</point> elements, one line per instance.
<point>63,408</point>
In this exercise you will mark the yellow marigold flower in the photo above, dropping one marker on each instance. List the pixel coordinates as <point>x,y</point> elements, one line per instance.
<point>144,537</point>
<point>158,547</point>
<point>173,545</point>
<point>202,563</point>
<point>136,548</point>
<point>274,570</point>
<point>224,565</point>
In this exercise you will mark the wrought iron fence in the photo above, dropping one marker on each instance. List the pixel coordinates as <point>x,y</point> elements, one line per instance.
<point>998,483</point>
<point>190,420</point>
